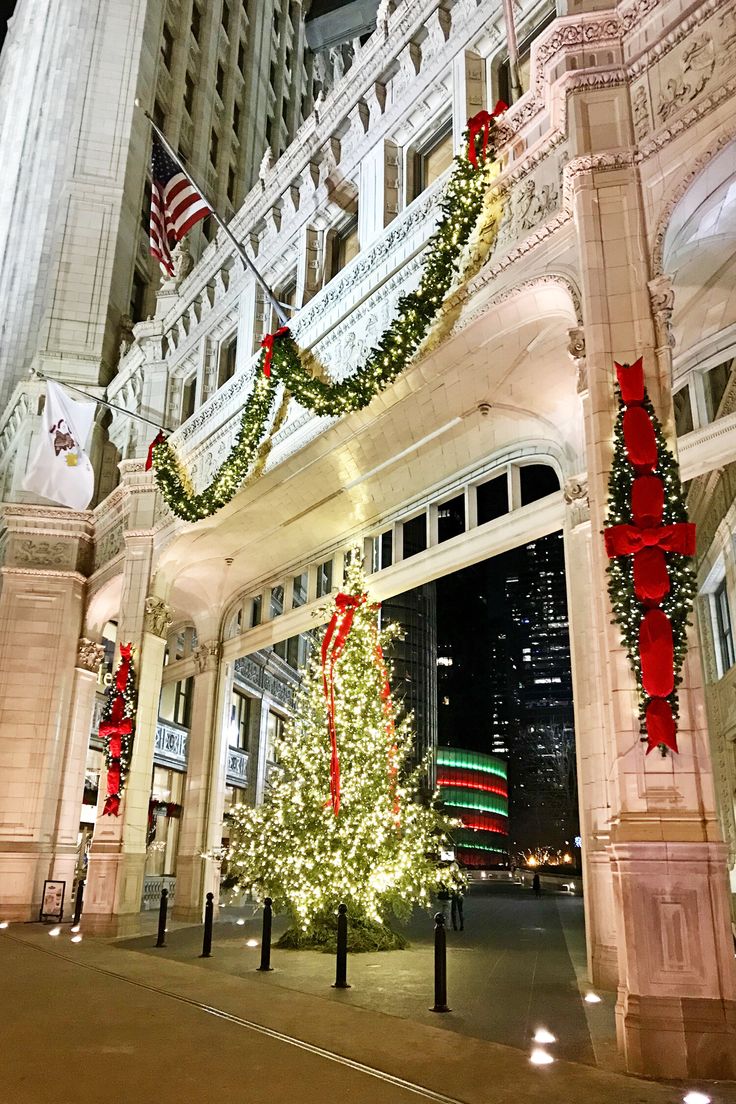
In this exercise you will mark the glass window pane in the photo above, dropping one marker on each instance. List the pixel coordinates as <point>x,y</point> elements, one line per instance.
<point>683,411</point>
<point>387,548</point>
<point>716,382</point>
<point>255,611</point>
<point>537,481</point>
<point>415,535</point>
<point>301,583</point>
<point>324,579</point>
<point>277,601</point>
<point>451,519</point>
<point>723,622</point>
<point>492,499</point>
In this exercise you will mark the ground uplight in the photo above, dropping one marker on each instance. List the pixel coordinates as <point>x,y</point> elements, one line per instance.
<point>3,924</point>
<point>251,943</point>
<point>55,931</point>
<point>696,1098</point>
<point>542,1035</point>
<point>240,923</point>
<point>592,998</point>
<point>75,929</point>
<point>76,939</point>
<point>539,1057</point>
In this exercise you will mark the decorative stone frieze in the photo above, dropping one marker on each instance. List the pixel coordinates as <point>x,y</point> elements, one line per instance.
<point>158,617</point>
<point>89,655</point>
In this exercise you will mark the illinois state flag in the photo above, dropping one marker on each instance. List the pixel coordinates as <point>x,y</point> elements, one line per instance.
<point>59,468</point>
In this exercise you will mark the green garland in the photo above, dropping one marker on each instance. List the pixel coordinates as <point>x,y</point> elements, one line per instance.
<point>627,609</point>
<point>461,208</point>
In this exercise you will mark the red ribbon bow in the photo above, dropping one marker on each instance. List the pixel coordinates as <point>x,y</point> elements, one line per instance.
<point>332,646</point>
<point>481,124</point>
<point>267,344</point>
<point>157,440</point>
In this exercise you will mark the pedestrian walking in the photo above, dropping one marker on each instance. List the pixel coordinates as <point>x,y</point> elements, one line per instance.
<point>537,886</point>
<point>456,907</point>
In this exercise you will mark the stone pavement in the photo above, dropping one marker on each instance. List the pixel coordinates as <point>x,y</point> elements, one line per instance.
<point>102,1021</point>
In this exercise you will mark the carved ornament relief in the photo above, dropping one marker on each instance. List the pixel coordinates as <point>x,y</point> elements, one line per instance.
<point>158,617</point>
<point>527,206</point>
<point>662,299</point>
<point>207,656</point>
<point>89,655</point>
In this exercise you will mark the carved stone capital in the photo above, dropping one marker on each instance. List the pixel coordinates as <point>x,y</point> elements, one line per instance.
<point>207,656</point>
<point>89,655</point>
<point>576,352</point>
<point>158,616</point>
<point>575,493</point>
<point>662,299</point>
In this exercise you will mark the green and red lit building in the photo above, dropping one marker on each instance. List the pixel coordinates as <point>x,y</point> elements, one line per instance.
<point>474,789</point>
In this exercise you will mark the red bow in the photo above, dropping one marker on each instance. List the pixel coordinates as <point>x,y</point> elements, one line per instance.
<point>627,540</point>
<point>481,124</point>
<point>336,635</point>
<point>267,344</point>
<point>631,381</point>
<point>157,440</point>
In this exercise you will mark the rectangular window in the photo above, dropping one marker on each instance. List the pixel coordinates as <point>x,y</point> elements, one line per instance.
<point>415,535</point>
<point>227,360</point>
<point>183,702</point>
<point>225,14</point>
<point>138,295</point>
<point>683,411</point>
<point>301,583</point>
<point>214,147</point>
<point>451,519</point>
<point>188,398</point>
<point>220,81</point>
<point>240,719</point>
<point>189,93</point>
<point>274,733</point>
<point>324,579</point>
<point>345,246</point>
<point>431,161</point>
<point>277,601</point>
<point>492,499</point>
<point>525,54</point>
<point>196,22</point>
<point>716,382</point>
<point>231,184</point>
<point>255,611</point>
<point>723,626</point>
<point>236,118</point>
<point>159,116</point>
<point>167,45</point>
<point>241,55</point>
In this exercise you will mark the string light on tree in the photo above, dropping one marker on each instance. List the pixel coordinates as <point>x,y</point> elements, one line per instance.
<point>378,852</point>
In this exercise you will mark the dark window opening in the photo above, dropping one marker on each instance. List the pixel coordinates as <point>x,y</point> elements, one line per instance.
<point>324,579</point>
<point>240,719</point>
<point>189,93</point>
<point>167,45</point>
<point>214,147</point>
<point>723,623</point>
<point>716,382</point>
<point>188,399</point>
<point>415,535</point>
<point>432,160</point>
<point>683,411</point>
<point>220,81</point>
<point>196,22</point>
<point>227,360</point>
<point>537,481</point>
<point>255,611</point>
<point>492,499</point>
<point>451,519</point>
<point>139,294</point>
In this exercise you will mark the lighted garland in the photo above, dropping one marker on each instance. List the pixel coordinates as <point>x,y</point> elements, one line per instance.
<point>117,729</point>
<point>677,603</point>
<point>461,210</point>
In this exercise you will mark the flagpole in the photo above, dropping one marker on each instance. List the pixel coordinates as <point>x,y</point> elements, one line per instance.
<point>513,48</point>
<point>280,314</point>
<point>102,402</point>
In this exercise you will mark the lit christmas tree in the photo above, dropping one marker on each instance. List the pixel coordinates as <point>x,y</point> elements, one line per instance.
<point>341,820</point>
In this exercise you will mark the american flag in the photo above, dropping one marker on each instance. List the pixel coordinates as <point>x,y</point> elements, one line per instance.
<point>175,206</point>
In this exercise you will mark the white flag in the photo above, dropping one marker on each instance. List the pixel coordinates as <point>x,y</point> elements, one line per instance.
<point>59,468</point>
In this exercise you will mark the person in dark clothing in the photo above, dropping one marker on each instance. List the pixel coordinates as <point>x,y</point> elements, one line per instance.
<point>457,909</point>
<point>537,886</point>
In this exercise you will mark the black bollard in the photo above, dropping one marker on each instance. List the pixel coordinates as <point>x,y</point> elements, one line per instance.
<point>209,915</point>
<point>162,910</point>
<point>341,967</point>
<point>266,938</point>
<point>440,965</point>
<point>78,903</point>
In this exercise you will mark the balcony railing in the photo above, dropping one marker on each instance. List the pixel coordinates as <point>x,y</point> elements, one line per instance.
<point>237,768</point>
<point>170,746</point>
<point>152,886</point>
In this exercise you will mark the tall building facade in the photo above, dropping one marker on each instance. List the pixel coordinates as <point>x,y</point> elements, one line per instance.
<point>613,240</point>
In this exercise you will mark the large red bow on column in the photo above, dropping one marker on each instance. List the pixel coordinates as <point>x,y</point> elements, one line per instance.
<point>647,546</point>
<point>481,124</point>
<point>332,646</point>
<point>267,344</point>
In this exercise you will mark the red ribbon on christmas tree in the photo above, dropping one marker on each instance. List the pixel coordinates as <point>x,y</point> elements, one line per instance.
<point>332,646</point>
<point>649,541</point>
<point>116,729</point>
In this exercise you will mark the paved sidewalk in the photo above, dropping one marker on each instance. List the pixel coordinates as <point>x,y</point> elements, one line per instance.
<point>94,1022</point>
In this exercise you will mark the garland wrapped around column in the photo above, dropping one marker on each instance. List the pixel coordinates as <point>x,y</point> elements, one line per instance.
<point>650,544</point>
<point>470,216</point>
<point>117,728</point>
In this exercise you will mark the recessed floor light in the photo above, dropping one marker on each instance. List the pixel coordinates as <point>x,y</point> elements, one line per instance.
<point>55,931</point>
<point>539,1057</point>
<point>251,943</point>
<point>592,998</point>
<point>76,939</point>
<point>696,1098</point>
<point>542,1035</point>
<point>240,923</point>
<point>3,924</point>
<point>75,928</point>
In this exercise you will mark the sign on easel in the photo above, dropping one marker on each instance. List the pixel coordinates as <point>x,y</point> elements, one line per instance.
<point>52,905</point>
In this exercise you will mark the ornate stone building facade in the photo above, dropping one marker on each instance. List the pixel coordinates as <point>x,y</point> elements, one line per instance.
<point>617,241</point>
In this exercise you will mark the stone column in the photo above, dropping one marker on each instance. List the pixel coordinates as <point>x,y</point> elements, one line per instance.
<point>192,869</point>
<point>45,708</point>
<point>676,1015</point>
<point>118,854</point>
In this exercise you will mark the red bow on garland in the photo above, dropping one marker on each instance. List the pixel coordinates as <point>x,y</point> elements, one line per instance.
<point>647,540</point>
<point>157,440</point>
<point>481,124</point>
<point>267,344</point>
<point>332,646</point>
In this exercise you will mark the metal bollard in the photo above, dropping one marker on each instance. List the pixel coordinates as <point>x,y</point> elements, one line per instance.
<point>341,966</point>
<point>266,937</point>
<point>78,903</point>
<point>209,915</point>
<point>440,965</point>
<point>162,910</point>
